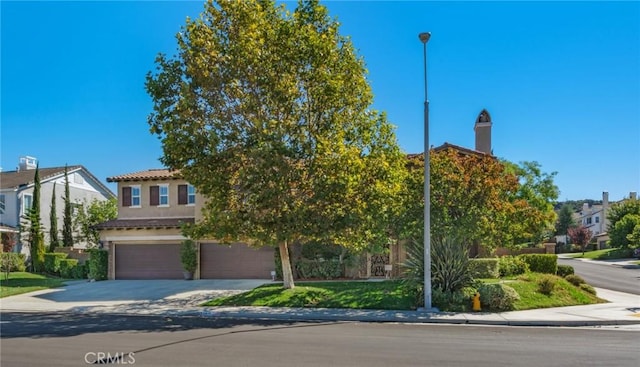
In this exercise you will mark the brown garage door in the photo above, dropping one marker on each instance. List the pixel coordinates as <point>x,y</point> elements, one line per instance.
<point>160,261</point>
<point>237,261</point>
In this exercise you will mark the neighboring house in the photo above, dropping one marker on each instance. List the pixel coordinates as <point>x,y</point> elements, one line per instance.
<point>16,194</point>
<point>594,218</point>
<point>144,241</point>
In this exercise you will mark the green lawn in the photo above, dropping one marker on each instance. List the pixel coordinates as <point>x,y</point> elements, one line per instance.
<point>564,294</point>
<point>606,254</point>
<point>22,282</point>
<point>387,295</point>
<point>390,295</point>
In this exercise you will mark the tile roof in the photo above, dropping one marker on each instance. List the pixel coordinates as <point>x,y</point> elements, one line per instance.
<point>144,223</point>
<point>148,175</point>
<point>15,179</point>
<point>445,146</point>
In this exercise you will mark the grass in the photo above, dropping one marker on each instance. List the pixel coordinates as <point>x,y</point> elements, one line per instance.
<point>564,294</point>
<point>391,295</point>
<point>23,282</point>
<point>606,254</point>
<point>385,295</point>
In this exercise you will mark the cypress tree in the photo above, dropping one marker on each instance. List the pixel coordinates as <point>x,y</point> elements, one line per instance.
<point>53,223</point>
<point>36,237</point>
<point>67,227</point>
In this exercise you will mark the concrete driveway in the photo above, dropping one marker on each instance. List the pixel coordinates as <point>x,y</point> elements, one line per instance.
<point>140,296</point>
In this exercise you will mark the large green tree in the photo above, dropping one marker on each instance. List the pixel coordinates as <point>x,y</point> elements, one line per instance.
<point>268,113</point>
<point>54,240</point>
<point>540,193</point>
<point>479,198</point>
<point>622,217</point>
<point>91,213</point>
<point>565,220</point>
<point>67,219</point>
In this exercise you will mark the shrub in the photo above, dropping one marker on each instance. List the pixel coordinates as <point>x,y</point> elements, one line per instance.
<point>587,288</point>
<point>546,284</point>
<point>189,256</point>
<point>541,263</point>
<point>449,264</point>
<point>484,268</point>
<point>576,280</point>
<point>564,270</point>
<point>498,297</point>
<point>12,261</point>
<point>81,271</point>
<point>318,269</point>
<point>512,265</point>
<point>52,262</point>
<point>68,268</point>
<point>98,264</point>
<point>458,301</point>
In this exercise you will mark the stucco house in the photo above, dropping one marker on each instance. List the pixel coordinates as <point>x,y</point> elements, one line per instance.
<point>144,241</point>
<point>16,194</point>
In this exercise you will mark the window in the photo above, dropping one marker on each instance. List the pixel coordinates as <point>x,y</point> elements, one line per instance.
<point>131,196</point>
<point>135,195</point>
<point>2,203</point>
<point>597,219</point>
<point>186,195</point>
<point>27,201</point>
<point>164,195</point>
<point>159,195</point>
<point>191,194</point>
<point>589,220</point>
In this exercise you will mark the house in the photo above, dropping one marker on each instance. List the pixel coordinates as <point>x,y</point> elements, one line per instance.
<point>594,218</point>
<point>144,240</point>
<point>16,194</point>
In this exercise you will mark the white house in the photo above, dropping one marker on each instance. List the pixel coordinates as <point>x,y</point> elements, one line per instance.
<point>16,194</point>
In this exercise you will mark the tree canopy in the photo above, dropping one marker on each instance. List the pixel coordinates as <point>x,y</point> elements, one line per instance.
<point>479,198</point>
<point>623,218</point>
<point>268,114</point>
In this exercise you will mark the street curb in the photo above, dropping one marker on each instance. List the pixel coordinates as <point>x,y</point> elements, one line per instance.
<point>336,318</point>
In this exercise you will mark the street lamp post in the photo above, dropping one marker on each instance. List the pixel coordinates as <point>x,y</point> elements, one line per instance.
<point>424,38</point>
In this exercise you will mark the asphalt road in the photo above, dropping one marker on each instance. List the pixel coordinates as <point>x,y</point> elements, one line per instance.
<point>602,275</point>
<point>76,340</point>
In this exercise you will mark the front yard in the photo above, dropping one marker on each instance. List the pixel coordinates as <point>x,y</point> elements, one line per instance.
<point>23,282</point>
<point>392,295</point>
<point>606,254</point>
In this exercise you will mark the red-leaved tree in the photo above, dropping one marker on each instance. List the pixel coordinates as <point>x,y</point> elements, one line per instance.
<point>580,236</point>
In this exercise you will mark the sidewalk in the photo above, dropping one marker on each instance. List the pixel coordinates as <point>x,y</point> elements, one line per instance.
<point>622,309</point>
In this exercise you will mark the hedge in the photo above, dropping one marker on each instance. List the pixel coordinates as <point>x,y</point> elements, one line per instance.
<point>484,268</point>
<point>564,270</point>
<point>319,269</point>
<point>512,265</point>
<point>68,268</point>
<point>52,262</point>
<point>98,264</point>
<point>541,263</point>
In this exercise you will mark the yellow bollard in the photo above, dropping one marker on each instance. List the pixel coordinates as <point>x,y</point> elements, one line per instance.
<point>476,302</point>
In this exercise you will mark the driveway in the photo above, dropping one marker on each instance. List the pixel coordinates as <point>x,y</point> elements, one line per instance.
<point>140,296</point>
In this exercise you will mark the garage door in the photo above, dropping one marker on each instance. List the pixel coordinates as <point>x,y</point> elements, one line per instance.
<point>160,261</point>
<point>237,261</point>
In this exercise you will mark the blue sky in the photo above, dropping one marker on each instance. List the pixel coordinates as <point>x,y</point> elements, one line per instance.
<point>561,81</point>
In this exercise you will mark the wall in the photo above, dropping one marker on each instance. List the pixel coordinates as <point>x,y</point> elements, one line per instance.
<point>147,211</point>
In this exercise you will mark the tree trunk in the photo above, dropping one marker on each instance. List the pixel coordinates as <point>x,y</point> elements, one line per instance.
<point>287,274</point>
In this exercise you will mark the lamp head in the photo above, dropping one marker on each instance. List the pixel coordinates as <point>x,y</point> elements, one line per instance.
<point>424,36</point>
